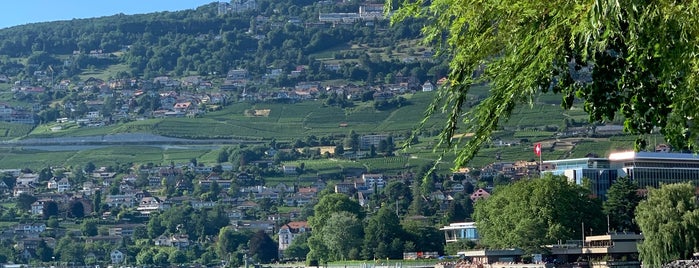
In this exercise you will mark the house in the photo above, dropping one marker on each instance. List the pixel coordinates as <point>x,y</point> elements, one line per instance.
<point>124,230</point>
<point>27,179</point>
<point>29,229</point>
<point>427,86</point>
<point>182,107</point>
<point>344,187</point>
<point>33,242</point>
<point>479,194</point>
<point>266,226</point>
<point>149,205</point>
<point>116,256</point>
<point>205,184</point>
<point>289,170</point>
<point>373,181</point>
<point>455,232</point>
<point>288,232</point>
<point>63,185</point>
<point>23,189</point>
<point>298,200</point>
<point>120,200</point>
<point>179,241</point>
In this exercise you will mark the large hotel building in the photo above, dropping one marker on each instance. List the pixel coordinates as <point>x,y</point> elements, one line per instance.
<point>644,168</point>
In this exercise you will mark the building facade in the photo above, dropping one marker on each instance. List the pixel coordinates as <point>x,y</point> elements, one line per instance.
<point>460,231</point>
<point>646,169</point>
<point>288,232</point>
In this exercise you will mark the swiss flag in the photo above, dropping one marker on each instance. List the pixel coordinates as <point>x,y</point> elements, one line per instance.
<point>537,149</point>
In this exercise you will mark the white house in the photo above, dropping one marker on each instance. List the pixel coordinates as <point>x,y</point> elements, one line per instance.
<point>289,231</point>
<point>63,185</point>
<point>427,86</point>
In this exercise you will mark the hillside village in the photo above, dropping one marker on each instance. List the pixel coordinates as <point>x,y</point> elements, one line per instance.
<point>123,201</point>
<point>99,103</point>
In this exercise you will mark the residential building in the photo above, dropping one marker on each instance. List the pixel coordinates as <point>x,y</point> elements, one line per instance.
<point>479,194</point>
<point>366,141</point>
<point>121,200</point>
<point>344,187</point>
<point>38,207</point>
<point>63,185</point>
<point>124,230</point>
<point>373,181</point>
<point>288,232</point>
<point>27,179</point>
<point>460,231</point>
<point>149,205</point>
<point>179,241</point>
<point>427,86</point>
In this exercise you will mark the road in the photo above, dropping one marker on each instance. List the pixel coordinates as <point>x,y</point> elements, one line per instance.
<point>118,139</point>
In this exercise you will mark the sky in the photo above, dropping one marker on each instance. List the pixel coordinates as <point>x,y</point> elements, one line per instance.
<point>21,12</point>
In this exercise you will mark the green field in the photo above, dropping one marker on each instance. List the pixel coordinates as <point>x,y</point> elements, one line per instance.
<point>288,122</point>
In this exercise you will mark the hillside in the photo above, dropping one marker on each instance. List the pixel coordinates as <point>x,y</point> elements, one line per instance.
<point>275,71</point>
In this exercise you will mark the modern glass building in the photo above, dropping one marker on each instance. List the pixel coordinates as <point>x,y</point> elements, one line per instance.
<point>459,231</point>
<point>644,168</point>
<point>596,170</point>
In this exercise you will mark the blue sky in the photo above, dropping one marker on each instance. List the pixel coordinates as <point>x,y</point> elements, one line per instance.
<point>29,11</point>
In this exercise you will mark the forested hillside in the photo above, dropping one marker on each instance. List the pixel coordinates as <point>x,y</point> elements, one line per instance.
<point>206,41</point>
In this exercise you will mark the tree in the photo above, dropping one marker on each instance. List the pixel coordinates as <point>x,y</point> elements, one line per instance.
<point>626,57</point>
<point>382,227</point>
<point>352,141</point>
<point>398,195</point>
<point>622,199</point>
<point>77,209</point>
<point>97,201</point>
<point>229,240</point>
<point>89,228</point>
<point>298,249</point>
<point>177,257</point>
<point>222,156</point>
<point>25,200</point>
<point>50,209</point>
<point>332,203</point>
<point>339,150</point>
<point>328,205</point>
<point>262,247</point>
<point>89,168</point>
<point>43,251</point>
<point>423,236</point>
<point>669,221</point>
<point>531,213</point>
<point>69,249</point>
<point>342,233</point>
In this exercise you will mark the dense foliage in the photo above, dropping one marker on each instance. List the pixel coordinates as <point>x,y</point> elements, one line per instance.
<point>628,58</point>
<point>669,221</point>
<point>276,35</point>
<point>620,206</point>
<point>532,213</point>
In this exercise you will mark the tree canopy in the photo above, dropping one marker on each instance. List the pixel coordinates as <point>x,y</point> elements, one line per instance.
<point>622,199</point>
<point>628,58</point>
<point>669,221</point>
<point>532,213</point>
